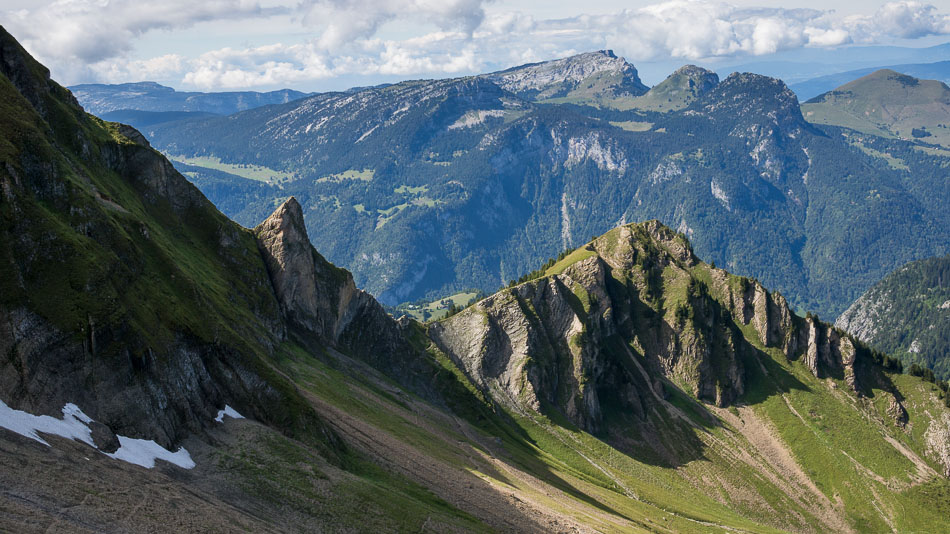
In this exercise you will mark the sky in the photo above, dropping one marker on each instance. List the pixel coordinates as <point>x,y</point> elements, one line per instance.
<point>319,45</point>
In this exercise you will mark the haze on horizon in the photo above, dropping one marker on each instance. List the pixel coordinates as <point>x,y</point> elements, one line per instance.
<point>319,45</point>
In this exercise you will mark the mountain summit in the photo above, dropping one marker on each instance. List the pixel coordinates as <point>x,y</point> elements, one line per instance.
<point>678,90</point>
<point>589,75</point>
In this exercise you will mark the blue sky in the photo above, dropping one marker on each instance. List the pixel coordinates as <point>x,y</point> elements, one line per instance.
<point>318,45</point>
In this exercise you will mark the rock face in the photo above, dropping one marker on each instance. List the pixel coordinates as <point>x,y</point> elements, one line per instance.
<point>624,315</point>
<point>319,298</point>
<point>937,438</point>
<point>561,77</point>
<point>308,287</point>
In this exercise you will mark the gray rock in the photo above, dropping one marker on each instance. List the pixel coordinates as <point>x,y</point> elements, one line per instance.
<point>104,438</point>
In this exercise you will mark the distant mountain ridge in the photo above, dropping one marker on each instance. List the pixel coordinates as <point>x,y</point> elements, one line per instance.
<point>928,71</point>
<point>150,96</point>
<point>424,188</point>
<point>889,104</point>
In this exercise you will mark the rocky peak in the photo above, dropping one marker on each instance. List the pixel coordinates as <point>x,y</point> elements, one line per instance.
<point>559,77</point>
<point>697,79</point>
<point>753,95</point>
<point>765,115</point>
<point>308,288</point>
<point>318,298</point>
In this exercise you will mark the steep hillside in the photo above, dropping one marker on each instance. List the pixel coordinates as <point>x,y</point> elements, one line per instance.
<point>427,188</point>
<point>887,103</point>
<point>785,420</point>
<point>95,223</point>
<point>99,99</point>
<point>907,314</point>
<point>138,323</point>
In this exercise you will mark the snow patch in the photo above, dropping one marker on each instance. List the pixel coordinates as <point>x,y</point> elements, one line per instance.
<point>75,425</point>
<point>144,452</point>
<point>228,411</point>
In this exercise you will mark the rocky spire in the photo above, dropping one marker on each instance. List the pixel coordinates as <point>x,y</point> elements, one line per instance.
<point>294,267</point>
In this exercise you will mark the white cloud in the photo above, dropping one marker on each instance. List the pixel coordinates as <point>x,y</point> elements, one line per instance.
<point>94,39</point>
<point>156,68</point>
<point>907,20</point>
<point>94,30</point>
<point>349,20</point>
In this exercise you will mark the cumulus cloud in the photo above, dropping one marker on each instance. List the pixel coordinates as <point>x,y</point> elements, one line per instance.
<point>95,38</point>
<point>907,20</point>
<point>442,52</point>
<point>349,20</point>
<point>94,30</point>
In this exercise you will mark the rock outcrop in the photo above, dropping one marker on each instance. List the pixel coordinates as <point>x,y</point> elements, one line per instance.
<point>319,299</point>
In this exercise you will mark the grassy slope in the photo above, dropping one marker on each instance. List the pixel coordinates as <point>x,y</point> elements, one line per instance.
<point>550,464</point>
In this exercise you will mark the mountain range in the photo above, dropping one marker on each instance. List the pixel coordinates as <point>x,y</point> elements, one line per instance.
<point>426,188</point>
<point>100,98</point>
<point>167,369</point>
